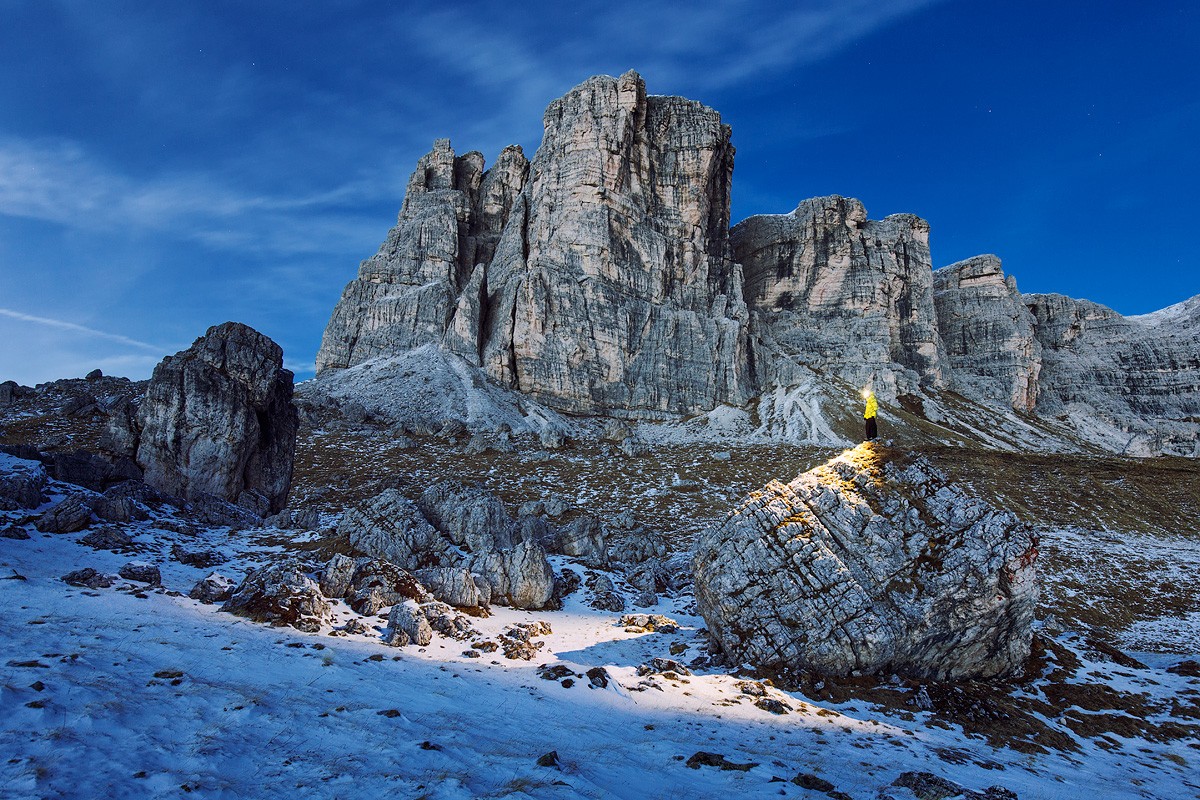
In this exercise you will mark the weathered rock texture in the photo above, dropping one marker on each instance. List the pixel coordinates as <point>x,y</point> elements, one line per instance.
<point>870,563</point>
<point>21,483</point>
<point>1130,384</point>
<point>407,295</point>
<point>988,332</point>
<point>841,293</point>
<point>597,279</point>
<point>602,278</point>
<point>218,419</point>
<point>281,594</point>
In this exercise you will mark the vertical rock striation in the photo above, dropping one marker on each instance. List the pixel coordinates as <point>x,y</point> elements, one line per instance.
<point>622,296</point>
<point>218,419</point>
<point>597,280</point>
<point>1129,384</point>
<point>988,333</point>
<point>426,281</point>
<point>840,293</point>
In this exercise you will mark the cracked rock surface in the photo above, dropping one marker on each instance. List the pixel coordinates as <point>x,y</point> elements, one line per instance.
<point>870,563</point>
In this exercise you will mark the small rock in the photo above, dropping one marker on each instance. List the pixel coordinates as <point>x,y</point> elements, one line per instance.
<point>408,624</point>
<point>598,678</point>
<point>773,706</point>
<point>90,578</point>
<point>703,759</point>
<point>549,759</point>
<point>215,588</point>
<point>204,559</point>
<point>806,780</point>
<point>14,532</point>
<point>108,538</point>
<point>142,572</point>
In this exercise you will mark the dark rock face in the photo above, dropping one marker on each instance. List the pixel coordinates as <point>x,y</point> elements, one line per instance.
<point>218,419</point>
<point>842,293</point>
<point>21,483</point>
<point>870,563</point>
<point>988,332</point>
<point>280,594</point>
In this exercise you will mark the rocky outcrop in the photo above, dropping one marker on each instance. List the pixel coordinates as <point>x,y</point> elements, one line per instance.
<point>840,293</point>
<point>218,420</point>
<point>870,563</point>
<point>1129,384</point>
<point>73,513</point>
<point>423,285</point>
<point>988,333</point>
<point>602,279</point>
<point>574,279</point>
<point>616,262</point>
<point>281,594</point>
<point>391,527</point>
<point>21,483</point>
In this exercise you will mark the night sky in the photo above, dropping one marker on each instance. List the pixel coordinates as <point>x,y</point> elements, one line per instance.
<point>168,166</point>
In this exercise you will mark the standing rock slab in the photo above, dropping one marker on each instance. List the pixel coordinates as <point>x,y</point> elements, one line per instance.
<point>870,563</point>
<point>218,419</point>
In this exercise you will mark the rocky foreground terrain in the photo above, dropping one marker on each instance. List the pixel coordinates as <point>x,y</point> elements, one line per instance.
<point>576,507</point>
<point>448,616</point>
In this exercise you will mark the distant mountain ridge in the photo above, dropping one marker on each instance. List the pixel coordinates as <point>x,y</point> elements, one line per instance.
<point>603,279</point>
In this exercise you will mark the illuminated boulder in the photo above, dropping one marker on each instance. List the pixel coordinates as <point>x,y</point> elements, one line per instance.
<point>870,563</point>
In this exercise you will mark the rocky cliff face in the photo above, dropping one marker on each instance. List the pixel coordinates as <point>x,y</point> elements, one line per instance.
<point>410,292</point>
<point>218,420</point>
<point>1129,384</point>
<point>623,297</point>
<point>841,293</point>
<point>602,283</point>
<point>603,279</point>
<point>988,332</point>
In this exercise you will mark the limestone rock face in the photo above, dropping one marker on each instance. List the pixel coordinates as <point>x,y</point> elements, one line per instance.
<point>218,419</point>
<point>391,527</point>
<point>870,563</point>
<point>838,292</point>
<point>988,332</point>
<point>1130,384</point>
<point>597,279</point>
<point>620,293</point>
<point>409,293</point>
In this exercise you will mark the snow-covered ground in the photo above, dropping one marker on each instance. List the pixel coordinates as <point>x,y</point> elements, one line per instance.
<point>136,692</point>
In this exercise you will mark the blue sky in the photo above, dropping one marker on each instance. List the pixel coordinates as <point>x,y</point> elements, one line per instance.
<point>168,166</point>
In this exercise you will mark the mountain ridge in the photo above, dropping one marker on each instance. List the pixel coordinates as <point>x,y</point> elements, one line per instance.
<point>602,278</point>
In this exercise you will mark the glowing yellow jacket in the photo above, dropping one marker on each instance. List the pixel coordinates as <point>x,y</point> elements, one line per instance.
<point>872,407</point>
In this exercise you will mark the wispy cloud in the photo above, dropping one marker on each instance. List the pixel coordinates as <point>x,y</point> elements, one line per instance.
<point>59,181</point>
<point>81,329</point>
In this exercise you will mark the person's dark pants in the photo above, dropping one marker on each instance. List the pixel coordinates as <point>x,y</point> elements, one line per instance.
<point>872,429</point>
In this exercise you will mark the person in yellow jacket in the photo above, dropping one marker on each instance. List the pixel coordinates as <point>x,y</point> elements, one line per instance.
<point>869,414</point>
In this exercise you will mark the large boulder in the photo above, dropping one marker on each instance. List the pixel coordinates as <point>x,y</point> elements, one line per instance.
<point>218,419</point>
<point>21,483</point>
<point>391,527</point>
<point>519,576</point>
<point>281,594</point>
<point>870,563</point>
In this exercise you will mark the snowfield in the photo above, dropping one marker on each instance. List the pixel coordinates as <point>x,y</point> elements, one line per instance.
<point>137,692</point>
